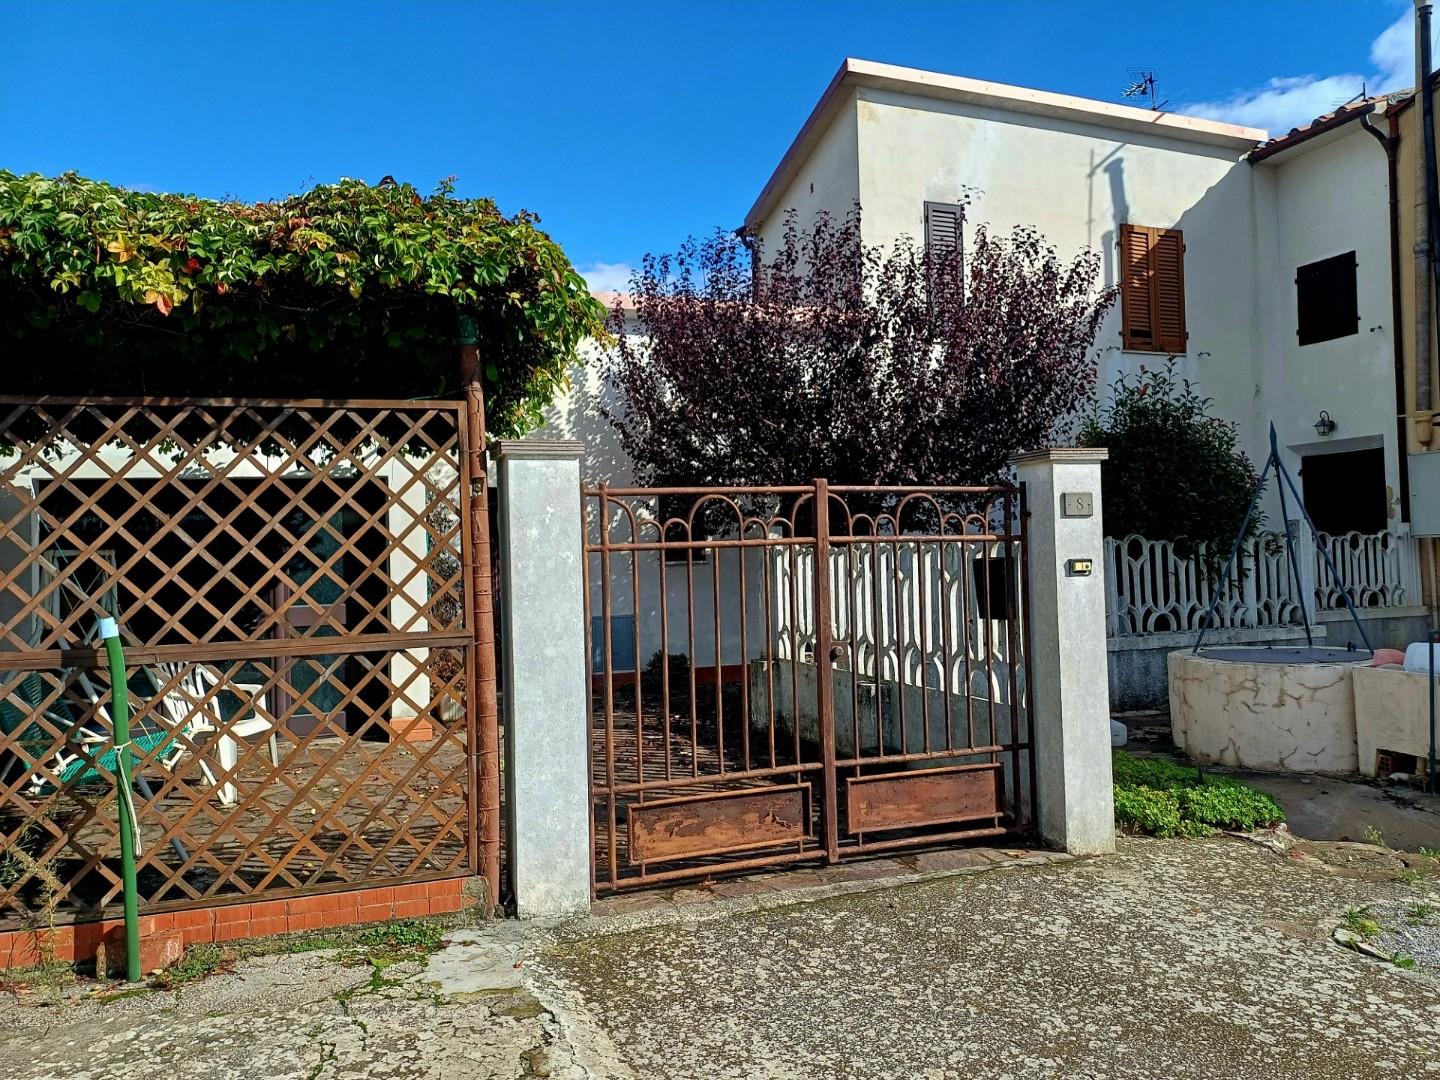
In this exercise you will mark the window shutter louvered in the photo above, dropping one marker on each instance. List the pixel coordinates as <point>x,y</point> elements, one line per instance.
<point>1152,289</point>
<point>1136,310</point>
<point>1167,271</point>
<point>943,229</point>
<point>945,249</point>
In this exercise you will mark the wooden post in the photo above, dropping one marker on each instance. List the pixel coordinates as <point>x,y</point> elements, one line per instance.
<point>480,693</point>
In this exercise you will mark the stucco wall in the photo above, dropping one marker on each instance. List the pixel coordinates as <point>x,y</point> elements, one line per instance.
<point>828,179</point>
<point>1275,717</point>
<point>1392,712</point>
<point>1329,197</point>
<point>1076,183</point>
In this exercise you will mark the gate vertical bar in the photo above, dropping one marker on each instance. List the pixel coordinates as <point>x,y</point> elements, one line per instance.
<point>824,662</point>
<point>481,698</point>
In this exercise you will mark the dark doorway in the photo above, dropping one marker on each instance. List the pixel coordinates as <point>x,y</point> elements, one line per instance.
<point>1345,492</point>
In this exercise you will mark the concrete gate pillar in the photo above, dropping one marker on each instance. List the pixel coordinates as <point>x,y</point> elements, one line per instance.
<point>546,676</point>
<point>1070,694</point>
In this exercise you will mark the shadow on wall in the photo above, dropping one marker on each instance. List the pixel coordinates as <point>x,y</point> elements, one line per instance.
<point>1113,165</point>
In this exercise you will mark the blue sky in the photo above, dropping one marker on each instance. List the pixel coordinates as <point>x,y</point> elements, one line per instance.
<point>626,126</point>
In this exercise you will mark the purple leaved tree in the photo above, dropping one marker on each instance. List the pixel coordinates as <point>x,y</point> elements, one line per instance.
<point>865,366</point>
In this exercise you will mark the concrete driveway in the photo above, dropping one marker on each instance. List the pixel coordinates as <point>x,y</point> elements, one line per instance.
<point>1171,959</point>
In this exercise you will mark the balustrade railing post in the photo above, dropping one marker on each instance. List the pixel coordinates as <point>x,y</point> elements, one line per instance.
<point>1250,578</point>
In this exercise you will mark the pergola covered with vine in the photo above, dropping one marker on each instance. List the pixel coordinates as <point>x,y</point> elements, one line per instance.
<point>174,370</point>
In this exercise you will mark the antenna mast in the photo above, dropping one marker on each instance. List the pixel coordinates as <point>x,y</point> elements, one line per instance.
<point>1142,85</point>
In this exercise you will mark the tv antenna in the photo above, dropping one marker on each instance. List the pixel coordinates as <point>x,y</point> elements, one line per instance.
<point>1142,85</point>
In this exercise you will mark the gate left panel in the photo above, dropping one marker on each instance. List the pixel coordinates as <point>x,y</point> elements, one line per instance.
<point>288,579</point>
<point>704,718</point>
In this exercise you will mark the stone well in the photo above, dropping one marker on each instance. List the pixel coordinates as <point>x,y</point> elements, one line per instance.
<point>1269,709</point>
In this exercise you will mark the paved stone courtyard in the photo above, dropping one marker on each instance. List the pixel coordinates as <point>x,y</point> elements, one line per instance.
<point>1171,959</point>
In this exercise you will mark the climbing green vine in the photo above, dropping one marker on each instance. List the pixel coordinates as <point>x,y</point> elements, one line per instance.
<point>346,290</point>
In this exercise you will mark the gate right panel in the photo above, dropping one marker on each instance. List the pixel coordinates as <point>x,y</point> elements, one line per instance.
<point>927,660</point>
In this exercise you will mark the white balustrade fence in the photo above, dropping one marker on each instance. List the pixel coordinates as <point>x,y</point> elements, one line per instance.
<point>1154,589</point>
<point>908,613</point>
<point>1379,570</point>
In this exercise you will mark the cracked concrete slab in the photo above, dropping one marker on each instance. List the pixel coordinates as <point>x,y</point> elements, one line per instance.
<point>462,1013</point>
<point>1170,959</point>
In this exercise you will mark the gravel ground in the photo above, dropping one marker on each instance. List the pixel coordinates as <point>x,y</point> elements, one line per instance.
<point>1412,929</point>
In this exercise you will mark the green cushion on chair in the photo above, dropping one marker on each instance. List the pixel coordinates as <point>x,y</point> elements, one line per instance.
<point>141,745</point>
<point>34,742</point>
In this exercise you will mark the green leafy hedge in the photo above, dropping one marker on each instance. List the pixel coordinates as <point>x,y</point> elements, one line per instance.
<point>1165,798</point>
<point>1176,472</point>
<point>346,290</point>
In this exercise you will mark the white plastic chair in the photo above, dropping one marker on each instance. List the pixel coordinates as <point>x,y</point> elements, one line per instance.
<point>190,699</point>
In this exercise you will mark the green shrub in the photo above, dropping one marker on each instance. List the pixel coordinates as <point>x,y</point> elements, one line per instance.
<point>1143,809</point>
<point>1176,471</point>
<point>1163,774</point>
<point>1164,798</point>
<point>652,679</point>
<point>1225,804</point>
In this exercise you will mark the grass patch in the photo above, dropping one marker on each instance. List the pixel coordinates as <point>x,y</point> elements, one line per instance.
<point>1360,921</point>
<point>199,962</point>
<point>1162,797</point>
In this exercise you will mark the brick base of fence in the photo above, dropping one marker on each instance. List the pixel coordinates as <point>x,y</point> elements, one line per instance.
<point>78,942</point>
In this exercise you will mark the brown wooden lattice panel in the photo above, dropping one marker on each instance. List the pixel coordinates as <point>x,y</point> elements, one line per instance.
<point>294,570</point>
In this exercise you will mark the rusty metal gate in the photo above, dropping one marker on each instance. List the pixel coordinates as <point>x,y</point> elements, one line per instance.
<point>292,582</point>
<point>804,672</point>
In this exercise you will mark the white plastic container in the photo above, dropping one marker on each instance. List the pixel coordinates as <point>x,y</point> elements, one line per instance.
<point>1417,656</point>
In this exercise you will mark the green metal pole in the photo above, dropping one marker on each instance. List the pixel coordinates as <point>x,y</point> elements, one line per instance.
<point>120,715</point>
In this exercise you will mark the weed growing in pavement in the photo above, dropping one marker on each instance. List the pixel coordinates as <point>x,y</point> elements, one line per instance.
<point>1360,921</point>
<point>199,962</point>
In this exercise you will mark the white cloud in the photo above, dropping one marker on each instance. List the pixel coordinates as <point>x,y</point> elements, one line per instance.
<point>1393,54</point>
<point>607,277</point>
<point>1285,102</point>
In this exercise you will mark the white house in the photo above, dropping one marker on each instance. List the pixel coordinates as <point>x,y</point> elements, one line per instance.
<point>1251,215</point>
<point>1263,266</point>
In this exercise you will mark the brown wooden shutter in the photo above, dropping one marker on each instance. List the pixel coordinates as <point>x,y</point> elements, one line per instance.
<point>1152,289</point>
<point>1167,271</point>
<point>1136,309</point>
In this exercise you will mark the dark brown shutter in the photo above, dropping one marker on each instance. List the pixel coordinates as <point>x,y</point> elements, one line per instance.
<point>1326,299</point>
<point>945,250</point>
<point>1152,289</point>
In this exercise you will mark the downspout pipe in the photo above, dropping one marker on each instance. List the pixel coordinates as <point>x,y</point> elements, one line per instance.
<point>1391,144</point>
<point>1427,210</point>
